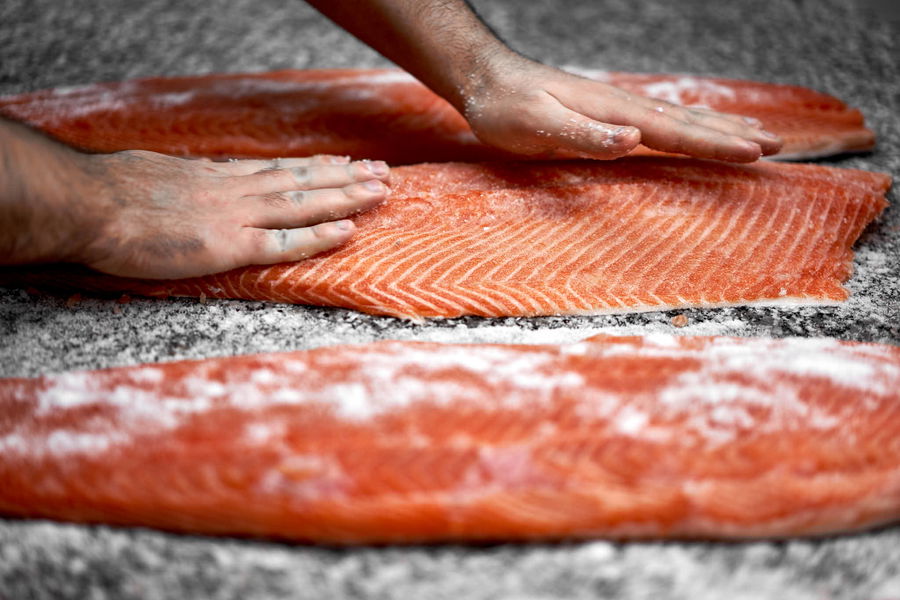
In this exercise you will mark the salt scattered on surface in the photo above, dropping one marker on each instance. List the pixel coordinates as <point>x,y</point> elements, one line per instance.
<point>263,376</point>
<point>262,433</point>
<point>147,375</point>
<point>768,374</point>
<point>61,441</point>
<point>536,374</point>
<point>733,381</point>
<point>671,89</point>
<point>174,98</point>
<point>305,476</point>
<point>631,421</point>
<point>675,91</point>
<point>86,106</point>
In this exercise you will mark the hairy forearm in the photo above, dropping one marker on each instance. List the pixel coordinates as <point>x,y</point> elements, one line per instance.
<point>39,215</point>
<point>442,42</point>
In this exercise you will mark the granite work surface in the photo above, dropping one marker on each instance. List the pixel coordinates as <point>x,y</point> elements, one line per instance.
<point>844,48</point>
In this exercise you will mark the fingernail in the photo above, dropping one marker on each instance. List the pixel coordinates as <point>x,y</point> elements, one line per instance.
<point>378,168</point>
<point>770,135</point>
<point>621,133</point>
<point>752,121</point>
<point>373,185</point>
<point>751,147</point>
<point>340,160</point>
<point>344,225</point>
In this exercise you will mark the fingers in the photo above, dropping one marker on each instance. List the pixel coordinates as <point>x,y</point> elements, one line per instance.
<point>669,127</point>
<point>700,132</point>
<point>269,246</point>
<point>682,137</point>
<point>248,167</point>
<point>291,208</point>
<point>307,177</point>
<point>305,207</point>
<point>747,128</point>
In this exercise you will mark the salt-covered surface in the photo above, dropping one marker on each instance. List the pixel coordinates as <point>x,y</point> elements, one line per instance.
<point>325,445</point>
<point>827,45</point>
<point>716,383</point>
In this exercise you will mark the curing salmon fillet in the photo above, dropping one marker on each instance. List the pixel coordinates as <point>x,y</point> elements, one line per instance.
<point>402,442</point>
<point>525,239</point>
<point>384,114</point>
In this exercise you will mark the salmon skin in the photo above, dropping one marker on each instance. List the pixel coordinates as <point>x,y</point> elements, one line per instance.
<point>526,239</point>
<point>383,113</point>
<point>407,442</point>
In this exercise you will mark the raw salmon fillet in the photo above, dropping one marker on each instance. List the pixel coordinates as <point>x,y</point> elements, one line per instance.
<point>384,114</point>
<point>402,442</point>
<point>524,239</point>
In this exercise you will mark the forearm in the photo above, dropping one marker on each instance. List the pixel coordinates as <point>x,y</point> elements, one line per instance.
<point>41,215</point>
<point>443,43</point>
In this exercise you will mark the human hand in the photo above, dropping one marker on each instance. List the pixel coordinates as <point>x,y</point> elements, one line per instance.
<point>156,216</point>
<point>528,108</point>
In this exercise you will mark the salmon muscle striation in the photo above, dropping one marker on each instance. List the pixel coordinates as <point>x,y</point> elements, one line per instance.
<point>526,239</point>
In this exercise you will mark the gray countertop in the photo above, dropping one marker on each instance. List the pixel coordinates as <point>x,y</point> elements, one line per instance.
<point>843,48</point>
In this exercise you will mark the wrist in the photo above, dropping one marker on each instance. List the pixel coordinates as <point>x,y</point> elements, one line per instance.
<point>443,43</point>
<point>47,198</point>
<point>480,75</point>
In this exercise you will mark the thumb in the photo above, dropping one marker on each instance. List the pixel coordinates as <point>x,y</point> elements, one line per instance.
<point>574,135</point>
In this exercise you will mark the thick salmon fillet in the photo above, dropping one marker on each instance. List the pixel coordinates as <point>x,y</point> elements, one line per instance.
<point>520,239</point>
<point>399,442</point>
<point>383,114</point>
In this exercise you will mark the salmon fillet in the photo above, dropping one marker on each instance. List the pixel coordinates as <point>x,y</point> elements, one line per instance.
<point>524,239</point>
<point>383,114</point>
<point>402,442</point>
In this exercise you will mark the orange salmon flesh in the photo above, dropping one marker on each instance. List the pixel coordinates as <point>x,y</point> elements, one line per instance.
<point>407,442</point>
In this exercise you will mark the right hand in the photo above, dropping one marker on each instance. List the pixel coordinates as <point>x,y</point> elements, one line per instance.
<point>528,108</point>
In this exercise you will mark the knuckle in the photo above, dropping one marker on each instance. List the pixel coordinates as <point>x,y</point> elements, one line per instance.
<point>680,140</point>
<point>281,239</point>
<point>321,231</point>
<point>694,117</point>
<point>302,175</point>
<point>295,197</point>
<point>275,200</point>
<point>255,243</point>
<point>357,170</point>
<point>360,191</point>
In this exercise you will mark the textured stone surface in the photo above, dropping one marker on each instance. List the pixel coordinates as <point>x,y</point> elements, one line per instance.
<point>843,48</point>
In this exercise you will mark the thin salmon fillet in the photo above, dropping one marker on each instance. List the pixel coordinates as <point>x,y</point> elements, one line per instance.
<point>524,239</point>
<point>384,114</point>
<point>402,442</point>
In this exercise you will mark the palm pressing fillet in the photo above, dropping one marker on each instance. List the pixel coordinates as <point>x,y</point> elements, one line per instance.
<point>519,239</point>
<point>399,442</point>
<point>383,114</point>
